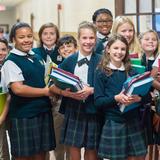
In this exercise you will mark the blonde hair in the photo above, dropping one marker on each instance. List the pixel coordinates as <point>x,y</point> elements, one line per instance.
<point>87,25</point>
<point>141,35</point>
<point>134,46</point>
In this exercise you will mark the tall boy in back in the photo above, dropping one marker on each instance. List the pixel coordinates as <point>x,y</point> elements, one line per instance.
<point>81,125</point>
<point>66,46</point>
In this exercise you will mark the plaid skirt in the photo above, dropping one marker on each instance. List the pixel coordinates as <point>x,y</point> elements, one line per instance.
<point>30,136</point>
<point>121,140</point>
<point>80,129</point>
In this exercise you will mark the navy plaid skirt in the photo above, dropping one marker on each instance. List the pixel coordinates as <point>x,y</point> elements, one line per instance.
<point>30,136</point>
<point>121,140</point>
<point>80,129</point>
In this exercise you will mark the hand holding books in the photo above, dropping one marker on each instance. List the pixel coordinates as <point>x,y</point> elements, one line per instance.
<point>126,100</point>
<point>69,85</point>
<point>134,86</point>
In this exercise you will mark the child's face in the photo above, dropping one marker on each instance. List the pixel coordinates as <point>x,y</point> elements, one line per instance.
<point>104,23</point>
<point>67,49</point>
<point>3,51</point>
<point>49,37</point>
<point>87,41</point>
<point>23,39</point>
<point>149,42</point>
<point>127,31</point>
<point>117,52</point>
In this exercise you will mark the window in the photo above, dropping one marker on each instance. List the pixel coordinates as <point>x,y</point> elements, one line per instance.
<point>145,14</point>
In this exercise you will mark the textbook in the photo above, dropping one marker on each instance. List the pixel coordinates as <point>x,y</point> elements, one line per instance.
<point>49,70</point>
<point>137,85</point>
<point>64,79</point>
<point>3,97</point>
<point>139,68</point>
<point>136,64</point>
<point>133,55</point>
<point>136,61</point>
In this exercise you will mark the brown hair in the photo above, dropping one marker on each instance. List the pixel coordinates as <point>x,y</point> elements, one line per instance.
<point>106,57</point>
<point>47,25</point>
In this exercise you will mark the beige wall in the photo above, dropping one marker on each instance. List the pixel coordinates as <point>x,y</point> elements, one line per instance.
<point>7,17</point>
<point>72,13</point>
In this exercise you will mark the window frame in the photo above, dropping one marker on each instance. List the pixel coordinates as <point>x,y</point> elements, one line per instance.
<point>120,10</point>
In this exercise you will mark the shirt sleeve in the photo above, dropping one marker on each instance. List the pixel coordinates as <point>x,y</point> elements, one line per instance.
<point>10,72</point>
<point>102,96</point>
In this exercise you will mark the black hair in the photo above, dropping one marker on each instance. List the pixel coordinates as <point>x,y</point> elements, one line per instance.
<point>16,26</point>
<point>3,40</point>
<point>66,39</point>
<point>100,11</point>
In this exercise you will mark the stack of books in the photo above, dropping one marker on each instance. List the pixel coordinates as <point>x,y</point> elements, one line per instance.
<point>63,79</point>
<point>3,97</point>
<point>136,85</point>
<point>49,70</point>
<point>137,65</point>
<point>133,55</point>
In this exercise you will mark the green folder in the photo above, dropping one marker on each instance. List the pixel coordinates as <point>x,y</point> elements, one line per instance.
<point>139,68</point>
<point>3,97</point>
<point>136,61</point>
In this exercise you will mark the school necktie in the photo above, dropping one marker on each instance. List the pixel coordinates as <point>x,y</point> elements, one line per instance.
<point>83,61</point>
<point>48,52</point>
<point>104,39</point>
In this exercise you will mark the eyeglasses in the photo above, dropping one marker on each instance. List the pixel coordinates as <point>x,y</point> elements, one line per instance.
<point>104,21</point>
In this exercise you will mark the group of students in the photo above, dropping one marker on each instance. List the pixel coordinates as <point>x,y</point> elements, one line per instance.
<point>89,118</point>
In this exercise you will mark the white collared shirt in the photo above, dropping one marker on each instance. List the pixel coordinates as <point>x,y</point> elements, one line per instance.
<point>10,72</point>
<point>82,71</point>
<point>101,36</point>
<point>52,48</point>
<point>155,64</point>
<point>112,66</point>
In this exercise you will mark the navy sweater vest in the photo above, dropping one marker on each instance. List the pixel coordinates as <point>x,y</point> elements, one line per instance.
<point>33,73</point>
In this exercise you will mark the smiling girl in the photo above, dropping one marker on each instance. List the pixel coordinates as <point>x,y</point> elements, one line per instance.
<point>119,131</point>
<point>124,26</point>
<point>81,125</point>
<point>30,106</point>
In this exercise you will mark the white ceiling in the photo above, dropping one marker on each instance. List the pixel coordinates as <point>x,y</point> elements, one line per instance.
<point>10,3</point>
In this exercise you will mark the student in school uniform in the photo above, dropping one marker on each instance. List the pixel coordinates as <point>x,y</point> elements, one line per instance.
<point>149,42</point>
<point>66,45</point>
<point>30,119</point>
<point>48,36</point>
<point>122,136</point>
<point>81,125</point>
<point>124,26</point>
<point>156,85</point>
<point>4,152</point>
<point>103,20</point>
